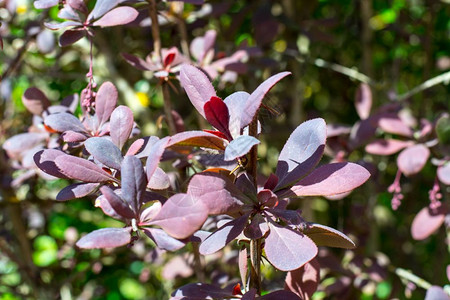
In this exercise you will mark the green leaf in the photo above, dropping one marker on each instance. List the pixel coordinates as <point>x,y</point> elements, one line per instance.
<point>383,290</point>
<point>132,289</point>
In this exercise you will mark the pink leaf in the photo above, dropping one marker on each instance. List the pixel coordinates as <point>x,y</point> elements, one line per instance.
<point>326,236</point>
<point>443,173</point>
<point>102,7</point>
<point>391,123</point>
<point>301,153</point>
<point>436,293</point>
<point>304,281</point>
<point>35,101</point>
<point>287,249</point>
<point>159,180</point>
<point>218,193</point>
<point>105,238</point>
<point>411,160</point>
<point>363,101</point>
<point>118,16</point>
<point>121,125</point>
<point>154,156</point>
<point>162,239</point>
<point>181,215</point>
<point>105,102</point>
<point>387,147</point>
<point>331,179</point>
<point>427,221</point>
<point>197,86</point>
<point>255,99</point>
<point>81,169</point>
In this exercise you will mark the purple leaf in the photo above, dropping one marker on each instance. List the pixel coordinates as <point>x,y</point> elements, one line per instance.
<point>105,238</point>
<point>197,139</point>
<point>254,101</point>
<point>70,36</point>
<point>81,169</point>
<point>411,160</point>
<point>16,145</point>
<point>197,291</point>
<point>331,179</point>
<point>427,221</point>
<point>119,206</point>
<point>45,41</point>
<point>78,5</point>
<point>104,151</point>
<point>287,249</point>
<point>77,190</point>
<point>154,156</point>
<point>71,102</point>
<point>42,4</point>
<point>243,263</point>
<point>443,173</point>
<point>101,7</point>
<point>139,63</point>
<point>196,2</point>
<point>159,180</point>
<point>302,152</point>
<point>257,228</point>
<point>387,147</point>
<point>150,212</point>
<point>363,101</point>
<point>304,281</point>
<point>197,86</point>
<point>218,193</point>
<point>326,236</point>
<point>250,295</point>
<point>35,101</point>
<point>236,104</point>
<point>63,122</point>
<point>67,12</point>
<point>181,215</point>
<point>162,239</point>
<point>73,137</point>
<point>121,125</point>
<point>105,101</point>
<point>362,131</point>
<point>133,181</point>
<point>216,112</point>
<point>271,182</point>
<point>107,208</point>
<point>45,160</point>
<point>240,146</point>
<point>223,235</point>
<point>118,16</point>
<point>57,26</point>
<point>436,293</point>
<point>278,295</point>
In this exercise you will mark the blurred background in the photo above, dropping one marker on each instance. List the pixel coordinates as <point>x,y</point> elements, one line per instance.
<point>331,48</point>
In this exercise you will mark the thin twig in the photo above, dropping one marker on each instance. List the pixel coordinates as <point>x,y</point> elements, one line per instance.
<point>405,274</point>
<point>443,78</point>
<point>168,109</point>
<point>155,29</point>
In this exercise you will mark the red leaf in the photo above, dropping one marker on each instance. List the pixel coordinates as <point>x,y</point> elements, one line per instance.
<point>169,59</point>
<point>216,112</point>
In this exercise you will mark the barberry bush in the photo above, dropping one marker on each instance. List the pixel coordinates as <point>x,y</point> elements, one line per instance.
<point>224,150</point>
